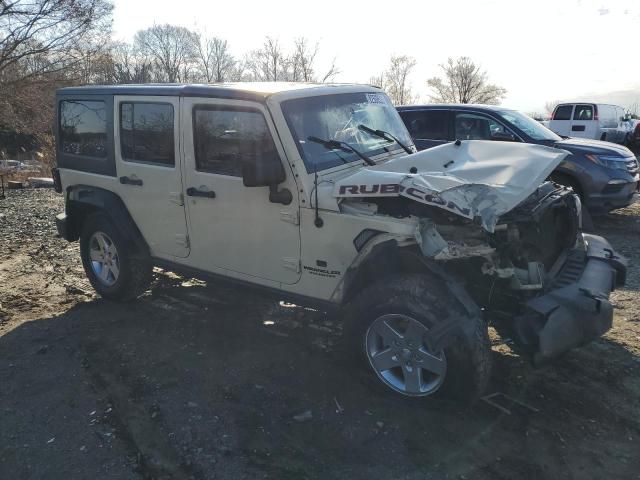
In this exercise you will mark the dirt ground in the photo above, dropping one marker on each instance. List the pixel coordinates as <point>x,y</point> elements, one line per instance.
<point>202,382</point>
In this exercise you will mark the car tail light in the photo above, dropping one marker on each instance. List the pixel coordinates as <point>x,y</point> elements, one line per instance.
<point>595,112</point>
<point>57,181</point>
<point>636,132</point>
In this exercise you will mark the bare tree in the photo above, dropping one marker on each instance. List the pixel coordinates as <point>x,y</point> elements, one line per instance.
<point>172,49</point>
<point>130,65</point>
<point>302,63</point>
<point>464,82</point>
<point>302,60</point>
<point>272,63</point>
<point>46,44</point>
<point>395,80</point>
<point>377,80</point>
<point>215,59</point>
<point>240,71</point>
<point>268,63</point>
<point>39,37</point>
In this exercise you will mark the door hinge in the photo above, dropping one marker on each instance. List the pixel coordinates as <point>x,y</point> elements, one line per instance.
<point>291,264</point>
<point>182,240</point>
<point>290,217</point>
<point>177,198</point>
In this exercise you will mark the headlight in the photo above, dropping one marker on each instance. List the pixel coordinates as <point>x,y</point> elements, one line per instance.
<point>609,161</point>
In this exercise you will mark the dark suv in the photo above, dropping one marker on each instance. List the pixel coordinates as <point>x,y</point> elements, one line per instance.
<point>605,175</point>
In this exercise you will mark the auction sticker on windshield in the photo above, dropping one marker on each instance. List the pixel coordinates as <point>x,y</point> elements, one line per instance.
<point>376,98</point>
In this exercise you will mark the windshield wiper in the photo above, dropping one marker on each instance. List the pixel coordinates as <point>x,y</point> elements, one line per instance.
<point>344,146</point>
<point>386,135</point>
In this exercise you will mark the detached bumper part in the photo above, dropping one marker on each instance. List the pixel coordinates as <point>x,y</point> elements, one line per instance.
<point>575,312</point>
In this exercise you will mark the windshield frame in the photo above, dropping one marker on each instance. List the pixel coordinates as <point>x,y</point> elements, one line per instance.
<point>549,135</point>
<point>386,150</point>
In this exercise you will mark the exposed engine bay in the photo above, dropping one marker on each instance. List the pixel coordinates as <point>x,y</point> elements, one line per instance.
<point>520,253</point>
<point>485,215</point>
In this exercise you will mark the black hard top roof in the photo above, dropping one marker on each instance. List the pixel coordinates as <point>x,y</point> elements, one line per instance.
<point>257,91</point>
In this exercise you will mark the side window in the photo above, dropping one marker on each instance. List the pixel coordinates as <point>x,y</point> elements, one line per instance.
<point>427,124</point>
<point>469,126</point>
<point>146,133</point>
<point>83,128</point>
<point>583,112</point>
<point>563,112</point>
<point>224,136</point>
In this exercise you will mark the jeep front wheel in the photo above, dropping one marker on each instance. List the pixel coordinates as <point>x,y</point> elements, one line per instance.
<point>113,269</point>
<point>391,326</point>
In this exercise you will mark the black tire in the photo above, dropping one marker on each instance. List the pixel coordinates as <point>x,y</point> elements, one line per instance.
<point>426,299</point>
<point>135,270</point>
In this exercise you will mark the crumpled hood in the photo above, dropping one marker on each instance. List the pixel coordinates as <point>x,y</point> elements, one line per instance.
<point>476,178</point>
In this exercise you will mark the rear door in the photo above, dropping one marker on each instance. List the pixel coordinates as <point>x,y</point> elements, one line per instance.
<point>235,230</point>
<point>562,120</point>
<point>148,162</point>
<point>429,127</point>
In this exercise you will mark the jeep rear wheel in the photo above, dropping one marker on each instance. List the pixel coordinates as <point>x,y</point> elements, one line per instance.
<point>391,330</point>
<point>113,269</point>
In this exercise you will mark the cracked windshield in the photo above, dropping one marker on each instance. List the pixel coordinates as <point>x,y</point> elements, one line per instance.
<point>329,241</point>
<point>339,118</point>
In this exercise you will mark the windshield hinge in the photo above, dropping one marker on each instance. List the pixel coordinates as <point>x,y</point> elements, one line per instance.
<point>290,217</point>
<point>182,240</point>
<point>177,198</point>
<point>291,264</point>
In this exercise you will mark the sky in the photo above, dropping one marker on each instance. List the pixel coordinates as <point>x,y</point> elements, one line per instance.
<point>540,51</point>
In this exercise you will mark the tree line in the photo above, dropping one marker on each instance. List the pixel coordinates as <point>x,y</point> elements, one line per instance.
<point>46,44</point>
<point>175,54</point>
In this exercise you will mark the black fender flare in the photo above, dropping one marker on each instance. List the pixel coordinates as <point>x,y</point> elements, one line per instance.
<point>388,258</point>
<point>84,200</point>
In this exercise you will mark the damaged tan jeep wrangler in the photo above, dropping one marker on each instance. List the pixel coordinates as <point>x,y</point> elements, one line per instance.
<point>316,193</point>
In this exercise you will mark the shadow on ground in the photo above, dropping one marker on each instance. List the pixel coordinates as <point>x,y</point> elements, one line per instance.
<point>196,382</point>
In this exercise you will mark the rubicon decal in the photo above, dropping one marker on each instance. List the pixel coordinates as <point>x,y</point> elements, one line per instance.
<point>382,189</point>
<point>395,189</point>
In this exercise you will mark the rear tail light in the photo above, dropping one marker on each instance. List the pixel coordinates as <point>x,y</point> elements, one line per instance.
<point>636,132</point>
<point>595,112</point>
<point>57,181</point>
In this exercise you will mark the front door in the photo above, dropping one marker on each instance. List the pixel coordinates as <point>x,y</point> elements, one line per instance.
<point>148,167</point>
<point>235,230</point>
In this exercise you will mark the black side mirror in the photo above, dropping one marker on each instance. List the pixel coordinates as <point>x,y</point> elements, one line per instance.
<point>266,171</point>
<point>503,136</point>
<point>262,171</point>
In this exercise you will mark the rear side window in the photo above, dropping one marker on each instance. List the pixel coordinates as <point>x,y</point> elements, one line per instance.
<point>427,124</point>
<point>146,133</point>
<point>563,112</point>
<point>224,136</point>
<point>583,112</point>
<point>83,128</point>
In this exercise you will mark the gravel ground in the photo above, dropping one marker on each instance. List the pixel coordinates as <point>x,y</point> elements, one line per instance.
<point>202,381</point>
